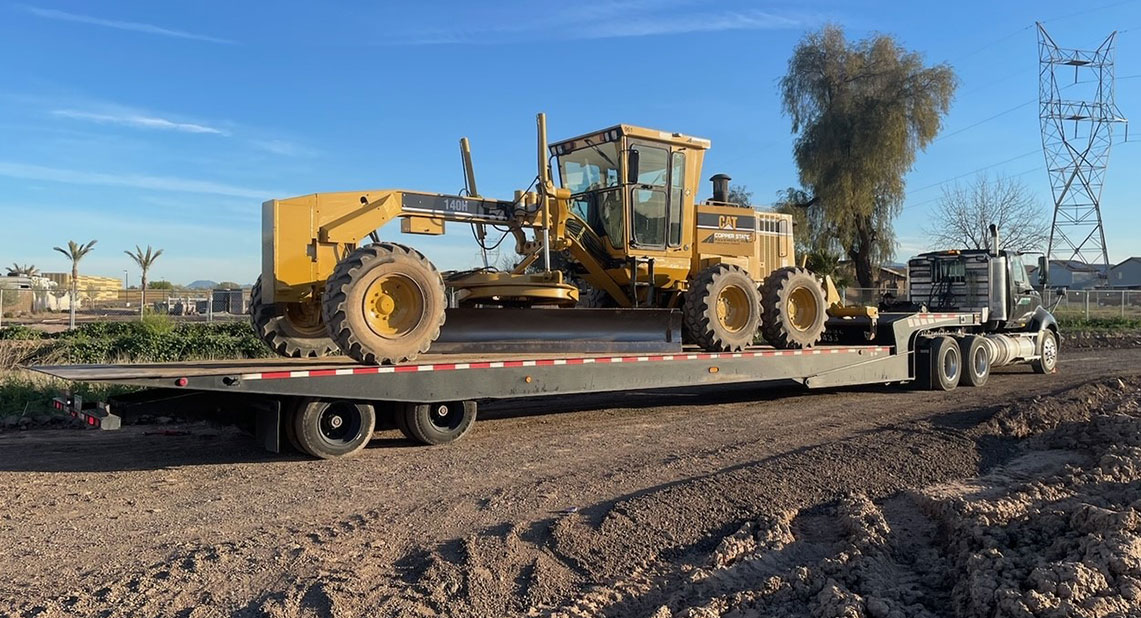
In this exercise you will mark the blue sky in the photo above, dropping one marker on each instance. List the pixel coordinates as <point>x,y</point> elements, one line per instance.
<point>166,123</point>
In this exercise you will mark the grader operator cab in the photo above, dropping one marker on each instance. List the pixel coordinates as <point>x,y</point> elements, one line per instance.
<point>623,224</point>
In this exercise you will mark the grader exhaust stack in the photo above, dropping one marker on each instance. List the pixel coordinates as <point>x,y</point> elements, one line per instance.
<point>631,241</point>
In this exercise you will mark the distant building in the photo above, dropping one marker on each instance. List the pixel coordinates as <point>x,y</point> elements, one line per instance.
<point>1070,274</point>
<point>89,287</point>
<point>1126,275</point>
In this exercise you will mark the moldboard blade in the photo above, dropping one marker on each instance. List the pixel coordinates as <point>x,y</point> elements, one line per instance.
<point>535,330</point>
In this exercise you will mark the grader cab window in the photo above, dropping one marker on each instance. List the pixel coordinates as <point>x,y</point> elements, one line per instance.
<point>591,168</point>
<point>648,199</point>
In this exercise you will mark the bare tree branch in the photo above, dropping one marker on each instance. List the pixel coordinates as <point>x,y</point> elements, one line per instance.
<point>965,212</point>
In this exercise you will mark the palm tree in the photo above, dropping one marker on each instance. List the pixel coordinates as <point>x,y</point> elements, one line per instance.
<point>75,252</point>
<point>27,270</point>
<point>145,261</point>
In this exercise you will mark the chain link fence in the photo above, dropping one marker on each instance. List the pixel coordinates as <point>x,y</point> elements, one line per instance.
<point>31,305</point>
<point>1085,304</point>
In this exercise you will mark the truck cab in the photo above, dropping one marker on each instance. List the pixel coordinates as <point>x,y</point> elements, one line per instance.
<point>993,282</point>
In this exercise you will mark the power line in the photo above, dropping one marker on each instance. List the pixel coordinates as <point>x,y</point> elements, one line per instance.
<point>936,199</point>
<point>988,119</point>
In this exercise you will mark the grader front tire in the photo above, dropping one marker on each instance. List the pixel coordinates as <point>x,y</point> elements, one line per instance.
<point>293,330</point>
<point>722,309</point>
<point>384,304</point>
<point>795,308</point>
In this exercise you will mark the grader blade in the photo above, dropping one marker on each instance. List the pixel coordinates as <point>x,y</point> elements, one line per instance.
<point>588,331</point>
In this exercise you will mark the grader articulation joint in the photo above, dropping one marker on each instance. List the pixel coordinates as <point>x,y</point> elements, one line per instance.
<point>622,230</point>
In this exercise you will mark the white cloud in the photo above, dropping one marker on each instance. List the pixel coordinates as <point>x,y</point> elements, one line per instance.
<point>282,147</point>
<point>131,119</point>
<point>137,181</point>
<point>599,20</point>
<point>120,25</point>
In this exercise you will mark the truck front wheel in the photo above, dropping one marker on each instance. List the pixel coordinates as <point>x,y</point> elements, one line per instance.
<point>1047,359</point>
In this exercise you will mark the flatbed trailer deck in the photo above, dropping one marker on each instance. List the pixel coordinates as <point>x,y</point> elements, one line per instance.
<point>447,387</point>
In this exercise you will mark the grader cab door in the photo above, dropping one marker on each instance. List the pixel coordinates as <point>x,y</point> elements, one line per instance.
<point>659,203</point>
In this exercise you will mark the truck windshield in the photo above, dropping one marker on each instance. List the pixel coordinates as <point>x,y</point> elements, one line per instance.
<point>591,168</point>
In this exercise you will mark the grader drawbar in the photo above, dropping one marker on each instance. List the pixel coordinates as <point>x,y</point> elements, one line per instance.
<point>617,257</point>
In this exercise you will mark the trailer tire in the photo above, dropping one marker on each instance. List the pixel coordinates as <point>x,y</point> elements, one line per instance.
<point>293,330</point>
<point>795,308</point>
<point>1047,359</point>
<point>333,429</point>
<point>288,412</point>
<point>945,364</point>
<point>722,309</point>
<point>384,304</point>
<point>976,360</point>
<point>438,423</point>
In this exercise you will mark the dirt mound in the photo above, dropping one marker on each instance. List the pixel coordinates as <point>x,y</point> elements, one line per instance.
<point>1056,531</point>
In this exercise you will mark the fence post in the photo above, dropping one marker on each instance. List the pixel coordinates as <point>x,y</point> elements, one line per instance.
<point>1087,304</point>
<point>210,306</point>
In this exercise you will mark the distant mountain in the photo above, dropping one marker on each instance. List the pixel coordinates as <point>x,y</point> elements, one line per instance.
<point>202,284</point>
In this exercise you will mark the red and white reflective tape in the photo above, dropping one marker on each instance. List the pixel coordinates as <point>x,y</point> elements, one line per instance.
<point>553,362</point>
<point>931,319</point>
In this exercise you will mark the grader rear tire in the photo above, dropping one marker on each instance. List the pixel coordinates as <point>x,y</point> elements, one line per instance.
<point>384,304</point>
<point>795,308</point>
<point>722,309</point>
<point>294,330</point>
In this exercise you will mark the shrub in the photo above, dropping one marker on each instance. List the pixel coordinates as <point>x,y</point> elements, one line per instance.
<point>19,332</point>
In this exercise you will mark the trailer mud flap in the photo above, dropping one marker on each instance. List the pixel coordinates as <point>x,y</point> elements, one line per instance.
<point>268,424</point>
<point>534,330</point>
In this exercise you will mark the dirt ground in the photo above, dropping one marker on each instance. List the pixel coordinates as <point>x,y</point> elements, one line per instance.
<point>1018,499</point>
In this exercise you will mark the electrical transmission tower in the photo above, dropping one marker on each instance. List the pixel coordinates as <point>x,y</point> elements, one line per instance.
<point>1077,132</point>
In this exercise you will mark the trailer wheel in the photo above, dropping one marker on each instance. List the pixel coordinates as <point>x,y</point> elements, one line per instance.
<point>333,429</point>
<point>795,308</point>
<point>1047,360</point>
<point>722,309</point>
<point>976,360</point>
<point>438,423</point>
<point>945,364</point>
<point>384,304</point>
<point>293,330</point>
<point>288,412</point>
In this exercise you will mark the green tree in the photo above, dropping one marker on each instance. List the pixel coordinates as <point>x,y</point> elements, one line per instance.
<point>25,270</point>
<point>161,284</point>
<point>861,112</point>
<point>145,260</point>
<point>228,285</point>
<point>740,194</point>
<point>75,252</point>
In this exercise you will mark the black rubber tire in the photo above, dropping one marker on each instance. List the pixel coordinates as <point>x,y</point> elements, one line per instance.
<point>438,423</point>
<point>1047,362</point>
<point>699,311</point>
<point>945,364</point>
<point>594,298</point>
<point>975,354</point>
<point>275,325</point>
<point>400,417</point>
<point>319,435</point>
<point>777,326</point>
<point>288,412</point>
<point>344,309</point>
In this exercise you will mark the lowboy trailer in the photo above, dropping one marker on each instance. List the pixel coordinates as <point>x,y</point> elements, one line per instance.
<point>329,408</point>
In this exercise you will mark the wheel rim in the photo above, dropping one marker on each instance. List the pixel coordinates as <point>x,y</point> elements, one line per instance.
<point>394,305</point>
<point>445,416</point>
<point>802,309</point>
<point>305,319</point>
<point>981,361</point>
<point>950,365</point>
<point>1049,351</point>
<point>340,424</point>
<point>733,308</point>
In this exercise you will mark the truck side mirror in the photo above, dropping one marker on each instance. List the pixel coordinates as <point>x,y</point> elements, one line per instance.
<point>1043,270</point>
<point>632,166</point>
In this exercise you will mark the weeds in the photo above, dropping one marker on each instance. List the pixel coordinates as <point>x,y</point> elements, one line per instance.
<point>1099,324</point>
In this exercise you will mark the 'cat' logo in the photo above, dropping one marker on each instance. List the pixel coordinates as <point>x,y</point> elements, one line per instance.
<point>727,222</point>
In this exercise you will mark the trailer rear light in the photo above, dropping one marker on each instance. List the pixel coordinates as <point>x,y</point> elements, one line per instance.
<point>181,382</point>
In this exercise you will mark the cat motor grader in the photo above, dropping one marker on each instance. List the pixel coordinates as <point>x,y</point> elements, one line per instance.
<point>623,225</point>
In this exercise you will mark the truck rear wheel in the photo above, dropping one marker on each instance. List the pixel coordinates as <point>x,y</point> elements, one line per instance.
<point>332,429</point>
<point>795,308</point>
<point>976,360</point>
<point>384,304</point>
<point>437,423</point>
<point>722,309</point>
<point>943,365</point>
<point>1047,359</point>
<point>293,330</point>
